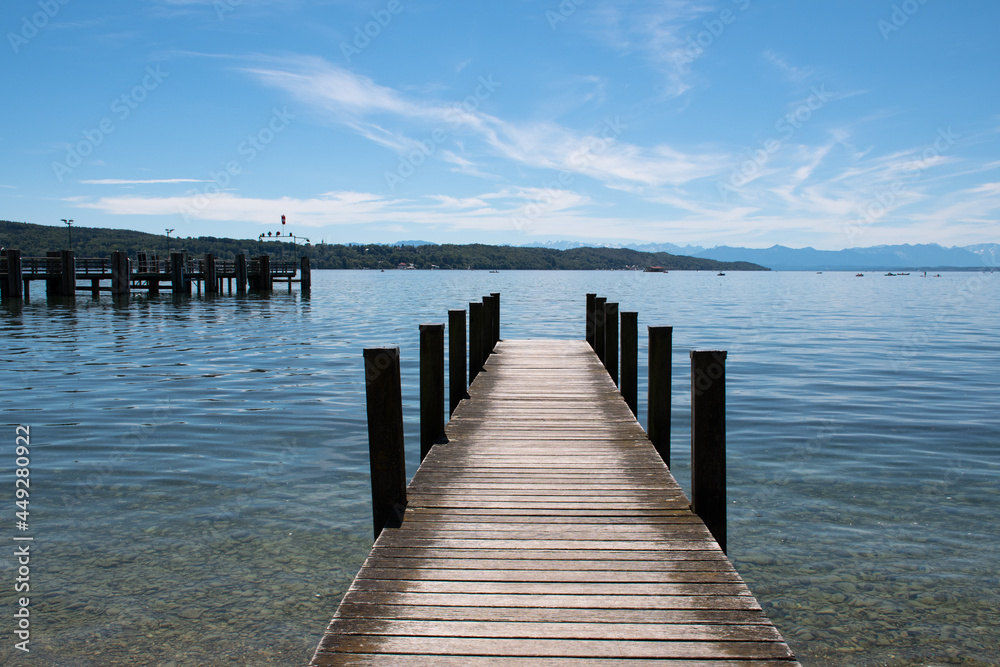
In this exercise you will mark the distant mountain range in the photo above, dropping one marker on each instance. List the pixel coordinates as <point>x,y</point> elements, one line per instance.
<point>781,258</point>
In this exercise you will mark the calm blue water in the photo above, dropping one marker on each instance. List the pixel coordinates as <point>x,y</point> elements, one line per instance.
<point>199,471</point>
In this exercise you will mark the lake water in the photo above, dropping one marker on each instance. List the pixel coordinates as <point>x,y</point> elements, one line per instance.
<point>199,466</point>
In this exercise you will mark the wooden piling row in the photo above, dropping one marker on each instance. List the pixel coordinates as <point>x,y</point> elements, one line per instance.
<point>708,400</point>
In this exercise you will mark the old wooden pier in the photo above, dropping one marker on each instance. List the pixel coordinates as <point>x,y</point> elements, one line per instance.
<point>62,272</point>
<point>543,525</point>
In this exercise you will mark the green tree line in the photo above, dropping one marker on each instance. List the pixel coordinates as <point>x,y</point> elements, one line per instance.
<point>35,240</point>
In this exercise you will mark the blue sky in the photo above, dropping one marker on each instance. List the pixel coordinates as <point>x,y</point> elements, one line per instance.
<point>726,122</point>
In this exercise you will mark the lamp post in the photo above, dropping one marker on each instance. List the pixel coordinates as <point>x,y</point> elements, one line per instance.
<point>69,230</point>
<point>168,241</point>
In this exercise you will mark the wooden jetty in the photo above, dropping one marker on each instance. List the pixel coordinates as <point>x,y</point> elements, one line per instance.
<point>62,272</point>
<point>543,528</point>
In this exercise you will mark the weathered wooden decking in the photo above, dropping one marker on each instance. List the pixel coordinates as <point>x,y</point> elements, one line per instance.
<point>547,531</point>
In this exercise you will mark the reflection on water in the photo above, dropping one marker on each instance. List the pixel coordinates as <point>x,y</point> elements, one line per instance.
<point>200,475</point>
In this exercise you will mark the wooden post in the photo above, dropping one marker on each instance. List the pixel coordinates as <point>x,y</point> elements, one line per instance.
<point>496,317</point>
<point>658,400</point>
<point>431,386</point>
<point>305,277</point>
<point>178,281</point>
<point>211,281</point>
<point>120,278</point>
<point>611,340</point>
<point>67,273</point>
<point>630,360</point>
<point>475,339</point>
<point>488,312</point>
<point>241,273</point>
<point>95,287</point>
<point>52,273</point>
<point>456,358</point>
<point>599,327</point>
<point>708,440</point>
<point>264,283</point>
<point>385,437</point>
<point>591,329</point>
<point>13,282</point>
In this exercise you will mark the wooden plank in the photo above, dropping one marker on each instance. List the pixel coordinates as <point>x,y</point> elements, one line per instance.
<point>560,630</point>
<point>576,648</point>
<point>350,609</point>
<point>545,529</point>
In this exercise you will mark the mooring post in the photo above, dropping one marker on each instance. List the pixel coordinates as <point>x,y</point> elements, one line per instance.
<point>178,282</point>
<point>496,317</point>
<point>658,400</point>
<point>67,275</point>
<point>385,436</point>
<point>591,306</point>
<point>305,277</point>
<point>13,282</point>
<point>241,273</point>
<point>487,327</point>
<point>120,278</point>
<point>611,340</point>
<point>265,284</point>
<point>630,360</point>
<point>599,331</point>
<point>708,440</point>
<point>456,358</point>
<point>431,386</point>
<point>476,356</point>
<point>211,281</point>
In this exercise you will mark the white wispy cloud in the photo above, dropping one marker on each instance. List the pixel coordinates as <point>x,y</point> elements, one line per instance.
<point>147,181</point>
<point>388,117</point>
<point>791,72</point>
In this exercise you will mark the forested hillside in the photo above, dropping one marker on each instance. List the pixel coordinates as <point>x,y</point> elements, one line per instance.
<point>35,240</point>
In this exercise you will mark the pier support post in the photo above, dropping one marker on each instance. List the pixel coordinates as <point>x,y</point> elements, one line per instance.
<point>489,311</point>
<point>496,317</point>
<point>211,281</point>
<point>476,354</point>
<point>591,306</point>
<point>658,400</point>
<point>708,440</point>
<point>630,360</point>
<point>611,340</point>
<point>13,282</point>
<point>67,278</point>
<point>599,326</point>
<point>120,278</point>
<point>241,273</point>
<point>305,275</point>
<point>178,280</point>
<point>456,358</point>
<point>264,283</point>
<point>385,437</point>
<point>431,386</point>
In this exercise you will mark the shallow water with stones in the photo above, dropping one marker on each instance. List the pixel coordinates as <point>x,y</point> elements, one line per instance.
<point>199,465</point>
